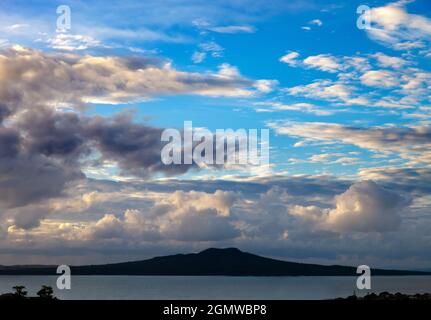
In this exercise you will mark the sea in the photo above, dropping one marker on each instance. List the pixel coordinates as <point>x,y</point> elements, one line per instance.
<point>214,288</point>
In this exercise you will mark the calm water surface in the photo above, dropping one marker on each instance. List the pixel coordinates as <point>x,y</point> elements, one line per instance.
<point>162,287</point>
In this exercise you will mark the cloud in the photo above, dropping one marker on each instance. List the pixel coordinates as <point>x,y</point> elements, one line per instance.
<point>351,65</point>
<point>393,26</point>
<point>42,143</point>
<point>379,78</point>
<point>327,90</point>
<point>220,200</point>
<point>55,147</point>
<point>290,58</point>
<point>180,216</point>
<point>204,225</point>
<point>398,85</point>
<point>71,42</point>
<point>300,106</point>
<point>104,79</point>
<point>152,21</point>
<point>69,137</point>
<point>345,66</point>
<point>139,220</point>
<point>410,143</point>
<point>265,86</point>
<point>107,227</point>
<point>413,180</point>
<point>386,61</point>
<point>21,172</point>
<point>212,48</point>
<point>364,207</point>
<point>323,62</point>
<point>341,158</point>
<point>198,57</point>
<point>17,26</point>
<point>71,215</point>
<point>233,29</point>
<point>316,22</point>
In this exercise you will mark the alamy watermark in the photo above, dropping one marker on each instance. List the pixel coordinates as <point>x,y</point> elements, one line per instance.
<point>364,20</point>
<point>64,19</point>
<point>364,280</point>
<point>64,281</point>
<point>225,146</point>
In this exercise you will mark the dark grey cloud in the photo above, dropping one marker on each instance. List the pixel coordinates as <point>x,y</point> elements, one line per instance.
<point>413,180</point>
<point>135,147</point>
<point>28,177</point>
<point>54,134</point>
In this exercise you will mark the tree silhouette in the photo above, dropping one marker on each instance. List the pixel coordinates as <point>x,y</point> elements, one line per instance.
<point>46,292</point>
<point>19,291</point>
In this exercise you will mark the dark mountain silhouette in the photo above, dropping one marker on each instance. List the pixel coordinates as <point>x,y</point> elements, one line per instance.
<point>217,262</point>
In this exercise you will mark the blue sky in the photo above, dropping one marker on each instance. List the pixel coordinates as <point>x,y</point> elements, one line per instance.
<point>346,107</point>
<point>253,41</point>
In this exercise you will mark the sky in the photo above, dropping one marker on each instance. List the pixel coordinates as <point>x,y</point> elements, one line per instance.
<point>82,110</point>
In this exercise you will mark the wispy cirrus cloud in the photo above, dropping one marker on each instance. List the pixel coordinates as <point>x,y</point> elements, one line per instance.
<point>410,143</point>
<point>271,106</point>
<point>203,25</point>
<point>233,29</point>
